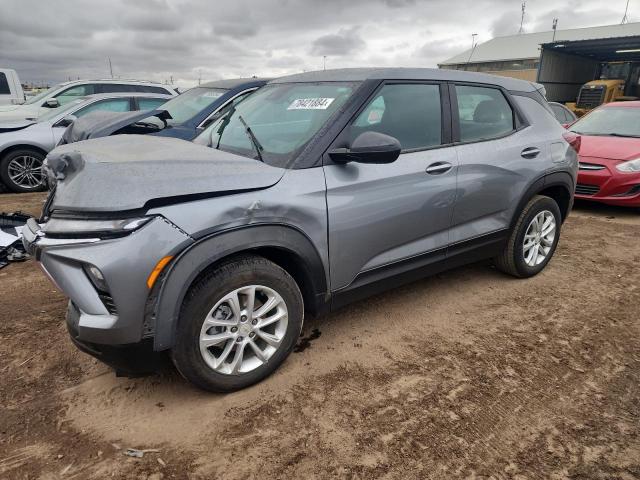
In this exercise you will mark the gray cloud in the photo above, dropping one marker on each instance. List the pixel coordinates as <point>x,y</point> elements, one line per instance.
<point>184,39</point>
<point>346,41</point>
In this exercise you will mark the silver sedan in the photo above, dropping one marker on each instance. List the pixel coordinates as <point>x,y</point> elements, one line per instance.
<point>25,143</point>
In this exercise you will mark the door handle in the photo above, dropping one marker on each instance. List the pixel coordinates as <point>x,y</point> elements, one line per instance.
<point>438,168</point>
<point>530,152</point>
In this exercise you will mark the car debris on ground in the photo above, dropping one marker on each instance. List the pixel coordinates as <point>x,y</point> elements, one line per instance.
<point>134,452</point>
<point>11,248</point>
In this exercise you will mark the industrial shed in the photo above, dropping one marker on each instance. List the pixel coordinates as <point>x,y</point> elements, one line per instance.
<point>519,56</point>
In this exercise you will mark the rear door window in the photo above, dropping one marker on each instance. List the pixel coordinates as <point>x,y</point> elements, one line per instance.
<point>115,88</point>
<point>483,112</point>
<point>411,113</point>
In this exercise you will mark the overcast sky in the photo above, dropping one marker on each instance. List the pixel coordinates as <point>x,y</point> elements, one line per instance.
<point>51,41</point>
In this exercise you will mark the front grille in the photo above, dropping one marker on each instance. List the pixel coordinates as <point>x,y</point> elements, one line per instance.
<point>582,189</point>
<point>108,302</point>
<point>590,97</point>
<point>591,166</point>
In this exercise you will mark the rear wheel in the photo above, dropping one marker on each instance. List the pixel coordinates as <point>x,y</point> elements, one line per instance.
<point>238,324</point>
<point>21,171</point>
<point>533,240</point>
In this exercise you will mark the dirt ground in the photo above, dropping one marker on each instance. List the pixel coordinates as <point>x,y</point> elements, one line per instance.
<point>469,374</point>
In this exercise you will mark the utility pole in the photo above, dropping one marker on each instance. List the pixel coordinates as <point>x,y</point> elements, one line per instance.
<point>554,27</point>
<point>625,19</point>
<point>199,76</point>
<point>110,67</point>
<point>474,44</point>
<point>324,62</point>
<point>524,6</point>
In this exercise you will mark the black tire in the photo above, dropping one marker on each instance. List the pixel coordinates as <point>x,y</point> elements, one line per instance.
<point>4,170</point>
<point>512,259</point>
<point>203,296</point>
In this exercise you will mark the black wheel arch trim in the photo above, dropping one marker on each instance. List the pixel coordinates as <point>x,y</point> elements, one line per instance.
<point>555,179</point>
<point>191,262</point>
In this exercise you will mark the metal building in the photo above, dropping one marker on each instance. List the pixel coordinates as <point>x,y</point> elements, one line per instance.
<point>518,56</point>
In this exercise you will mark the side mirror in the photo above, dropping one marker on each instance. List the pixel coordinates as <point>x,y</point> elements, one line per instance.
<point>369,147</point>
<point>65,122</point>
<point>52,103</point>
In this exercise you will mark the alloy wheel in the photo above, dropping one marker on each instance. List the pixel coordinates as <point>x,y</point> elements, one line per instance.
<point>243,330</point>
<point>26,172</point>
<point>539,238</point>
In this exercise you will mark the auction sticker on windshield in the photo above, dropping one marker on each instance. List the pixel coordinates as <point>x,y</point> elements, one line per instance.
<point>310,104</point>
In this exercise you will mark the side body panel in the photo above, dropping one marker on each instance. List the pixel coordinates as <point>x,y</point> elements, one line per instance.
<point>381,214</point>
<point>289,216</point>
<point>493,176</point>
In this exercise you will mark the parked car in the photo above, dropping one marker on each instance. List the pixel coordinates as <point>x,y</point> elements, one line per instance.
<point>610,154</point>
<point>10,88</point>
<point>562,113</point>
<point>184,116</point>
<point>318,189</point>
<point>64,93</point>
<point>24,144</point>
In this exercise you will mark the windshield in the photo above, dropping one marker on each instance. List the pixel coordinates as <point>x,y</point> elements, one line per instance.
<point>613,71</point>
<point>277,121</point>
<point>622,121</point>
<point>56,112</point>
<point>41,95</point>
<point>188,104</point>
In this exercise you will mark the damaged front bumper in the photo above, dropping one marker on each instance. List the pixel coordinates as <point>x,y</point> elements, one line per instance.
<point>115,314</point>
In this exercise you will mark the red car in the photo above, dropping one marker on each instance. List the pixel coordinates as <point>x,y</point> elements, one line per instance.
<point>610,154</point>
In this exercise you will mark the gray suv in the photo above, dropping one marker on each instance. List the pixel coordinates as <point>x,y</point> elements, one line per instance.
<point>319,189</point>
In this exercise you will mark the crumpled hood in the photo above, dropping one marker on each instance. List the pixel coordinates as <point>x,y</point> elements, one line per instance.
<point>126,172</point>
<point>102,124</point>
<point>613,148</point>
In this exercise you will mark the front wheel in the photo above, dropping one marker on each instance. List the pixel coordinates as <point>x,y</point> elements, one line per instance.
<point>533,240</point>
<point>237,324</point>
<point>21,171</point>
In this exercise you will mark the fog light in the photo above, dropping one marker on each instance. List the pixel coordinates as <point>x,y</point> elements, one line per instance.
<point>96,277</point>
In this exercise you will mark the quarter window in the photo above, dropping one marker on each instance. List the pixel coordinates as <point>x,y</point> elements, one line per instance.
<point>112,105</point>
<point>483,112</point>
<point>4,85</point>
<point>150,103</point>
<point>411,113</point>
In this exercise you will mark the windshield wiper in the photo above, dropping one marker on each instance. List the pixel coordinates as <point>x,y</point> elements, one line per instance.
<point>252,137</point>
<point>223,125</point>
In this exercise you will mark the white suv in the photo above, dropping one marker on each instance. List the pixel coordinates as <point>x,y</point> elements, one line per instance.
<point>63,93</point>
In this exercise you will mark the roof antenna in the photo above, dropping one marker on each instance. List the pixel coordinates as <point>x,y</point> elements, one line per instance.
<point>474,44</point>
<point>625,19</point>
<point>524,6</point>
<point>554,27</point>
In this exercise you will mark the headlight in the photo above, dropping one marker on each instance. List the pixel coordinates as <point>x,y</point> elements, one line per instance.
<point>63,227</point>
<point>632,166</point>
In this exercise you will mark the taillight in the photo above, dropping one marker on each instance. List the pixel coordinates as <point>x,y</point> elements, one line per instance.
<point>573,139</point>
